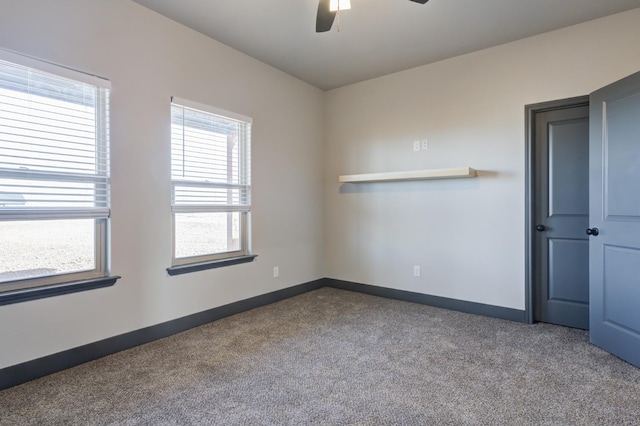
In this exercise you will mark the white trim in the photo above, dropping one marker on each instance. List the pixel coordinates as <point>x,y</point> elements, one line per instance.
<point>54,69</point>
<point>213,110</point>
<point>190,208</point>
<point>43,213</point>
<point>190,183</point>
<point>50,280</point>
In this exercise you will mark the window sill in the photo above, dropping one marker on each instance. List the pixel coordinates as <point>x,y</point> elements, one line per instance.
<point>35,293</point>
<point>194,267</point>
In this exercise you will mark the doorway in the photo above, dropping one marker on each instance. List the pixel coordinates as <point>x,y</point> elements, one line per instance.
<point>558,212</point>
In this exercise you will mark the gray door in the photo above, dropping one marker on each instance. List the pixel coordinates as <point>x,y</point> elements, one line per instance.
<point>615,212</point>
<point>561,210</point>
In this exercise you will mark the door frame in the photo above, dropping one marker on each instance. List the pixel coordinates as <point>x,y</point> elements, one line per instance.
<point>529,157</point>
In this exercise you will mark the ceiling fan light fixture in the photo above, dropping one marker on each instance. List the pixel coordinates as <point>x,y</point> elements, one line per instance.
<point>336,5</point>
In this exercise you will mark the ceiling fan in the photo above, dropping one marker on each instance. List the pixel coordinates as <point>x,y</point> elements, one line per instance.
<point>326,15</point>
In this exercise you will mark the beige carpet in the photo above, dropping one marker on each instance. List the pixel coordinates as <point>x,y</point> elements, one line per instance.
<point>336,357</point>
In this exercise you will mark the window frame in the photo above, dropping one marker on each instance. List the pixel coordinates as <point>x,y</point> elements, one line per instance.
<point>180,265</point>
<point>212,257</point>
<point>22,289</point>
<point>99,271</point>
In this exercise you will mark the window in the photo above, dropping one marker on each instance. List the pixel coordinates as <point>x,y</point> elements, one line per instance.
<point>210,186</point>
<point>54,175</point>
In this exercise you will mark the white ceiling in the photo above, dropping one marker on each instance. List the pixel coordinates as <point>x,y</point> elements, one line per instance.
<point>376,37</point>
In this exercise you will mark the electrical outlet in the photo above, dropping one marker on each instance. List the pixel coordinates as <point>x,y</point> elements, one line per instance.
<point>416,270</point>
<point>416,145</point>
<point>276,271</point>
<point>425,144</point>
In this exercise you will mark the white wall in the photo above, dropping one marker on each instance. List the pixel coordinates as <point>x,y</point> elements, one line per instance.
<point>148,59</point>
<point>468,235</point>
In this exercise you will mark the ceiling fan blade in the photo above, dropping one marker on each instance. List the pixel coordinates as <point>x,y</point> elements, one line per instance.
<point>325,17</point>
<point>420,1</point>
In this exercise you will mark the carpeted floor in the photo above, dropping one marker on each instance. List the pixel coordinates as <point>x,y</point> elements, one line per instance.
<point>335,357</point>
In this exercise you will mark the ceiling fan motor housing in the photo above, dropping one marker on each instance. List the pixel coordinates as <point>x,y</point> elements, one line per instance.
<point>325,16</point>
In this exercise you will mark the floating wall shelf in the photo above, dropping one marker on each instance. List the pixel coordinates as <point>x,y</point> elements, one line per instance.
<point>458,172</point>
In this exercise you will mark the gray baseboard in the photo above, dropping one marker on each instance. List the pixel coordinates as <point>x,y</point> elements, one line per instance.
<point>31,370</point>
<point>425,299</point>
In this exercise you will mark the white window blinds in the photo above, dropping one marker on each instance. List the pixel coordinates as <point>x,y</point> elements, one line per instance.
<point>54,153</point>
<point>210,159</point>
